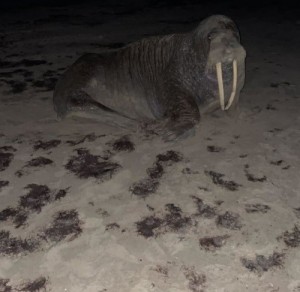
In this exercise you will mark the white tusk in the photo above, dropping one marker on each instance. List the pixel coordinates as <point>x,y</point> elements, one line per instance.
<point>221,86</point>
<point>234,83</point>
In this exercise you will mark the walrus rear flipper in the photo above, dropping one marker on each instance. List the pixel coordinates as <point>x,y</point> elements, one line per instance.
<point>81,104</point>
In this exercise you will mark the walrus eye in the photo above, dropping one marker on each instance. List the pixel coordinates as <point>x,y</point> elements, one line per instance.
<point>212,34</point>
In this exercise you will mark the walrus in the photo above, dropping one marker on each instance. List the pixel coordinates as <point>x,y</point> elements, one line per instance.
<point>170,80</point>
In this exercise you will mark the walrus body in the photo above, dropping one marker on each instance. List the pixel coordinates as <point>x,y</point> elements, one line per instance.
<point>171,79</point>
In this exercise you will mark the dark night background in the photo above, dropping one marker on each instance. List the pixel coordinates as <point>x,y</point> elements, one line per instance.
<point>282,8</point>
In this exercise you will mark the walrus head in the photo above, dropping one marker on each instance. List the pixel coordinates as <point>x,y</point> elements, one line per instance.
<point>225,59</point>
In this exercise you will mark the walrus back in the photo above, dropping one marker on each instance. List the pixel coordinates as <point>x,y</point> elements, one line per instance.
<point>135,75</point>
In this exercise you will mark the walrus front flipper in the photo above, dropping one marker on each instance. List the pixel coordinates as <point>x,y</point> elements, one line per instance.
<point>182,115</point>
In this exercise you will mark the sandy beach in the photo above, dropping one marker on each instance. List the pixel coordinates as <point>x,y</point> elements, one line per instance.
<point>90,207</point>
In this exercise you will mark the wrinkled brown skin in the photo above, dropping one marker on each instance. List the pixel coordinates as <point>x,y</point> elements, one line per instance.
<point>162,80</point>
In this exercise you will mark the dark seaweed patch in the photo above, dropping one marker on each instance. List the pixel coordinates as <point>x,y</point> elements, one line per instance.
<point>292,238</point>
<point>149,207</point>
<point>161,270</point>
<point>35,162</point>
<point>65,223</point>
<point>196,281</point>
<point>277,84</point>
<point>187,170</point>
<point>27,74</point>
<point>251,177</point>
<point>144,187</point>
<point>229,220</point>
<point>62,19</point>
<point>173,209</point>
<point>4,287</point>
<point>271,107</point>
<point>6,74</point>
<point>112,226</point>
<point>38,197</point>
<point>123,144</point>
<point>16,86</point>
<point>7,213</point>
<point>204,210</point>
<point>275,130</point>
<point>109,46</point>
<point>213,243</point>
<point>173,220</point>
<point>262,263</point>
<point>203,189</point>
<point>169,157</point>
<point>90,138</point>
<point>243,155</point>
<point>102,212</point>
<point>217,179</point>
<point>37,285</point>
<point>47,84</point>
<point>8,149</point>
<point>46,145</point>
<point>274,85</point>
<point>39,161</point>
<point>175,21</point>
<point>277,162</point>
<point>60,194</point>
<point>50,73</point>
<point>148,225</point>
<point>3,183</point>
<point>257,208</point>
<point>17,215</point>
<point>297,212</point>
<point>219,202</point>
<point>5,160</point>
<point>149,185</point>
<point>156,171</point>
<point>162,160</point>
<point>24,62</point>
<point>212,148</point>
<point>20,218</point>
<point>12,245</point>
<point>86,165</point>
<point>12,55</point>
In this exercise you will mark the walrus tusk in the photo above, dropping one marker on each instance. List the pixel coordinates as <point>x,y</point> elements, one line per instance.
<point>221,86</point>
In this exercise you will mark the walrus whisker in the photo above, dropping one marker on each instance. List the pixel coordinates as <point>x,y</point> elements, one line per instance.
<point>221,86</point>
